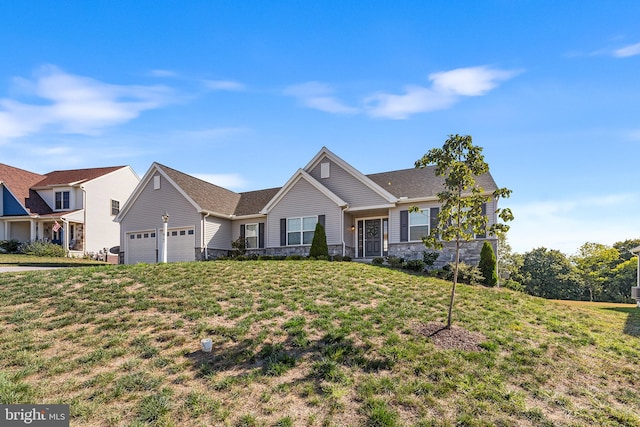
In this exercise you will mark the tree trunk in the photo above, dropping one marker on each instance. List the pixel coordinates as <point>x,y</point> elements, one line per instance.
<point>455,281</point>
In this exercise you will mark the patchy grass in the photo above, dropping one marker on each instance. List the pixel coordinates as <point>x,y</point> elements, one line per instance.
<point>301,343</point>
<point>36,261</point>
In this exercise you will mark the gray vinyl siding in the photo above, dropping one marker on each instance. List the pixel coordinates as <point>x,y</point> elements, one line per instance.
<point>217,234</point>
<point>347,187</point>
<point>394,217</point>
<point>148,208</point>
<point>235,229</point>
<point>303,199</point>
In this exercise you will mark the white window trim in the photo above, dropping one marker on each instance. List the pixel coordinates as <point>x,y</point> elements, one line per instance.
<point>256,237</point>
<point>111,207</point>
<point>61,208</point>
<point>427,213</point>
<point>302,230</point>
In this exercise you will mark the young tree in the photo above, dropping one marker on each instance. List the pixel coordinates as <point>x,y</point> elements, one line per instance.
<point>488,265</point>
<point>460,217</point>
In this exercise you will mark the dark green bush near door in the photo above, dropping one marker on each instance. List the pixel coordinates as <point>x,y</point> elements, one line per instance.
<point>487,265</point>
<point>319,246</point>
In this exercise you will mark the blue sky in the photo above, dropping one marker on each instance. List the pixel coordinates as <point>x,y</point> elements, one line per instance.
<point>245,93</point>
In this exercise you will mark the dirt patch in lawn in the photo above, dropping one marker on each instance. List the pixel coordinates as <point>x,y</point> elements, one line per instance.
<point>453,338</point>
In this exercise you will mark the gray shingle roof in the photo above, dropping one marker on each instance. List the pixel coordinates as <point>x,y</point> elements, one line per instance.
<point>252,202</point>
<point>209,197</point>
<point>417,183</point>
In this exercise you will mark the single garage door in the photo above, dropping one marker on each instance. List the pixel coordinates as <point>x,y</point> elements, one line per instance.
<point>141,247</point>
<point>181,244</point>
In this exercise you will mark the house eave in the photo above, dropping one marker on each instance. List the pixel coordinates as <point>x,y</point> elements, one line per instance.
<point>250,216</point>
<point>368,208</point>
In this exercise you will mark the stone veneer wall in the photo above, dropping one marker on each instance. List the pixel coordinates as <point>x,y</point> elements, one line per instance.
<point>469,251</point>
<point>280,251</point>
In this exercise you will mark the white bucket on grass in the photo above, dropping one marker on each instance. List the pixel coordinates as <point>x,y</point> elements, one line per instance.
<point>207,345</point>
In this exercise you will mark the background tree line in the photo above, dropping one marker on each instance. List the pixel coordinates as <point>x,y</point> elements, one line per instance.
<point>596,272</point>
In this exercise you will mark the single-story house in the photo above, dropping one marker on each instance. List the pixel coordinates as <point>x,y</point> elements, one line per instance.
<point>364,216</point>
<point>73,208</point>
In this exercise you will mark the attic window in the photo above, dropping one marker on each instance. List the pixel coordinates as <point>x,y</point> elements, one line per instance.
<point>324,170</point>
<point>156,182</point>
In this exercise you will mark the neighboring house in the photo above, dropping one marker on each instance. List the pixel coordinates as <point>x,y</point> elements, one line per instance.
<point>364,216</point>
<point>73,208</point>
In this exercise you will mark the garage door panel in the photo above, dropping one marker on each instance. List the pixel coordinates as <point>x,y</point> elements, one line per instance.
<point>181,244</point>
<point>141,247</point>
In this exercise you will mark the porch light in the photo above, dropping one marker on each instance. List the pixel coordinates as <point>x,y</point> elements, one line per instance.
<point>353,228</point>
<point>165,220</point>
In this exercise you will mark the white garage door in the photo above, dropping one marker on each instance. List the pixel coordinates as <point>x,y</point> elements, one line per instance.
<point>181,244</point>
<point>141,247</point>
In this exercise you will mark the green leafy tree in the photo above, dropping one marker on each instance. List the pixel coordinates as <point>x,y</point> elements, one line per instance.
<point>488,265</point>
<point>617,288</point>
<point>548,273</point>
<point>625,247</point>
<point>460,217</point>
<point>509,262</point>
<point>594,262</point>
<point>319,246</point>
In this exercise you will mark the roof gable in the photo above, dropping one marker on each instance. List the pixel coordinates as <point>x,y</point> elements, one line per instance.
<point>19,182</point>
<point>301,174</point>
<point>325,153</point>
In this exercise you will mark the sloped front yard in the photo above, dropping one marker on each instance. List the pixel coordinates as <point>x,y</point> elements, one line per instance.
<point>302,343</point>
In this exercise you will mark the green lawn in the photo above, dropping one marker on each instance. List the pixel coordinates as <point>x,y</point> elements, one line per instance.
<point>35,261</point>
<point>302,343</point>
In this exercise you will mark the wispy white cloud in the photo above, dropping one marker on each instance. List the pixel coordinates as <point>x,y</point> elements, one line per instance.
<point>319,96</point>
<point>627,51</point>
<point>75,104</point>
<point>230,181</point>
<point>447,88</point>
<point>163,73</point>
<point>229,85</point>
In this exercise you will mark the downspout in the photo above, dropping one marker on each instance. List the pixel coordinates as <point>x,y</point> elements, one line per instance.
<point>206,251</point>
<point>344,249</point>
<point>84,222</point>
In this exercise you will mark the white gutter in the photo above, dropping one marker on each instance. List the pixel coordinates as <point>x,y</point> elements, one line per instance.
<point>344,249</point>
<point>206,252</point>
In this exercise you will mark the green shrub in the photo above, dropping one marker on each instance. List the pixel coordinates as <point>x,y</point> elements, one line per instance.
<point>415,265</point>
<point>9,246</point>
<point>265,257</point>
<point>346,258</point>
<point>42,249</point>
<point>468,274</point>
<point>337,258</point>
<point>295,257</point>
<point>487,265</point>
<point>319,244</point>
<point>377,260</point>
<point>395,262</point>
<point>513,285</point>
<point>430,257</point>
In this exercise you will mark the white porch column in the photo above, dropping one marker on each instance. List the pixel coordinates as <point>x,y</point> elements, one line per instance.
<point>33,234</point>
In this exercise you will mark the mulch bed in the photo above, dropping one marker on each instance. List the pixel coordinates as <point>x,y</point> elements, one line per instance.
<point>454,338</point>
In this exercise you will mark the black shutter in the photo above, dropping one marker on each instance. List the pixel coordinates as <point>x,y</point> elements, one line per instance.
<point>261,235</point>
<point>484,233</point>
<point>404,226</point>
<point>433,218</point>
<point>321,220</point>
<point>242,231</point>
<point>283,232</point>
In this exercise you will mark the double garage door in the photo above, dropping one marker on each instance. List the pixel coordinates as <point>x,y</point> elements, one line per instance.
<point>146,246</point>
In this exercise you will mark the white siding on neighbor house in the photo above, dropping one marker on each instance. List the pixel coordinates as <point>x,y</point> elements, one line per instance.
<point>100,230</point>
<point>49,196</point>
<point>303,199</point>
<point>217,234</point>
<point>346,186</point>
<point>150,205</point>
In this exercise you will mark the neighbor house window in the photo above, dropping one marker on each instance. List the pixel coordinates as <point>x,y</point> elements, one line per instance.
<point>62,200</point>
<point>251,235</point>
<point>418,224</point>
<point>300,230</point>
<point>115,207</point>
